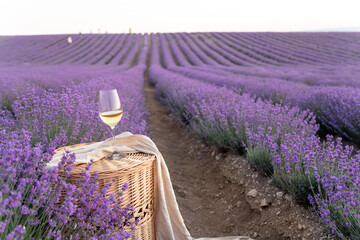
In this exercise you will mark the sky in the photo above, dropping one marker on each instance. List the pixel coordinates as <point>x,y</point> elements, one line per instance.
<point>27,17</point>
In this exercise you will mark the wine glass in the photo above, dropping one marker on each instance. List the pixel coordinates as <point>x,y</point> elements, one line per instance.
<point>110,109</point>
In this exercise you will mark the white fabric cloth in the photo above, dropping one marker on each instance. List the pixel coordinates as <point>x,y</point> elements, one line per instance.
<point>169,223</point>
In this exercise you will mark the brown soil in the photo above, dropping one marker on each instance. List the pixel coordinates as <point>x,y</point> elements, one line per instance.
<point>212,188</point>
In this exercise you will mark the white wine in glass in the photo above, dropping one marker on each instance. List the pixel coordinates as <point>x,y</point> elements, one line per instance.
<point>110,109</point>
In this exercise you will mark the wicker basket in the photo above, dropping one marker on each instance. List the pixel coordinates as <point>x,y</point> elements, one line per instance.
<point>138,170</point>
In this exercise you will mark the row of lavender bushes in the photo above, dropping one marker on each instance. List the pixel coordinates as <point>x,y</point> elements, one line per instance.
<point>18,78</point>
<point>35,125</point>
<point>331,97</point>
<point>111,49</point>
<point>70,115</point>
<point>336,107</point>
<point>280,141</point>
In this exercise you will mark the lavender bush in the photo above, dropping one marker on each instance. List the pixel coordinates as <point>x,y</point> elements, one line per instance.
<point>41,203</point>
<point>337,171</point>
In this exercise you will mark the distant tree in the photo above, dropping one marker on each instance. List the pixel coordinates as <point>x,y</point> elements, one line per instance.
<point>129,30</point>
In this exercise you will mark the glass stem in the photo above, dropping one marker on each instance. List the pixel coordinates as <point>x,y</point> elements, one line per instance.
<point>112,131</point>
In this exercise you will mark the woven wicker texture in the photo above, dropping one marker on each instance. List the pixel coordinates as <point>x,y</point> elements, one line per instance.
<point>136,169</point>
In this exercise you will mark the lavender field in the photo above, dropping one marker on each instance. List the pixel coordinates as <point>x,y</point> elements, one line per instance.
<point>49,93</point>
<point>283,99</point>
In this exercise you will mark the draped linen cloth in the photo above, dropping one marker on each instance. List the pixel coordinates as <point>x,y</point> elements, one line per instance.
<point>169,224</point>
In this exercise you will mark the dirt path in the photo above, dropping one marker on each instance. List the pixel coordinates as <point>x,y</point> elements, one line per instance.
<point>212,188</point>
